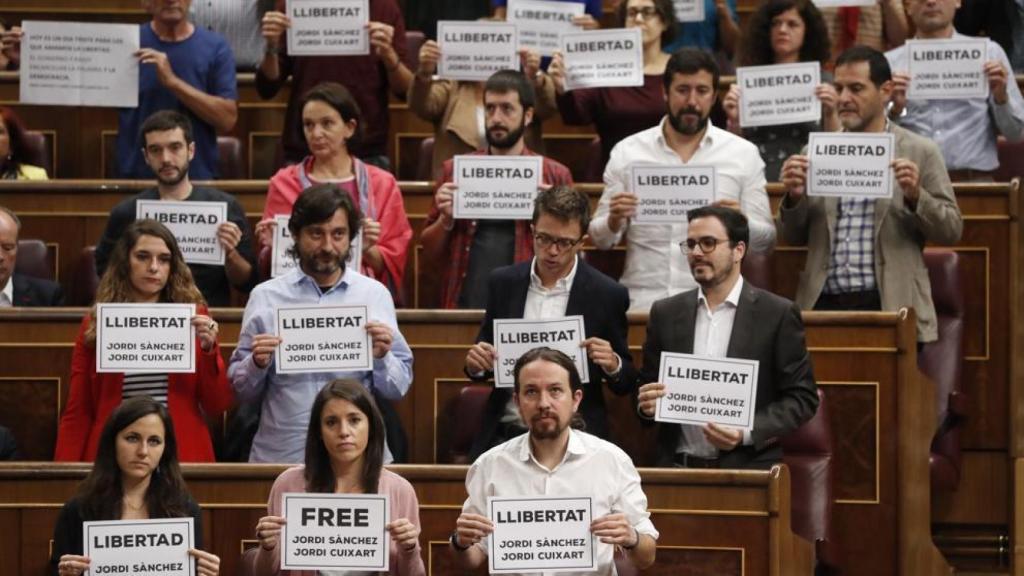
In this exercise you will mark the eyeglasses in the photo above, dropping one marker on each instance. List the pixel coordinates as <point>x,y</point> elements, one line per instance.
<point>645,13</point>
<point>562,244</point>
<point>707,244</point>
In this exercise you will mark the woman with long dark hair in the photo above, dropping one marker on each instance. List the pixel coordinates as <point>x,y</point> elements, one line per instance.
<point>331,121</point>
<point>784,32</point>
<point>14,150</point>
<point>345,455</point>
<point>136,476</point>
<point>145,266</point>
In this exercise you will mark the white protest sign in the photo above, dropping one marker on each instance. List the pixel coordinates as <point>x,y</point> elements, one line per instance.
<point>779,94</point>
<point>323,339</point>
<point>328,27</point>
<point>514,337</point>
<point>194,225</point>
<point>540,22</point>
<point>540,534</point>
<point>79,64</point>
<point>603,58</point>
<point>152,547</point>
<point>335,532</point>
<point>689,10</point>
<point>496,187</point>
<point>145,338</point>
<point>473,51</point>
<point>666,193</point>
<point>702,390</point>
<point>849,164</point>
<point>843,3</point>
<point>281,262</point>
<point>947,69</point>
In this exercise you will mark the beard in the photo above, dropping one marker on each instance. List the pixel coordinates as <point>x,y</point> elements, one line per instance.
<point>546,429</point>
<point>716,277</point>
<point>179,175</point>
<point>676,120</point>
<point>510,138</point>
<point>323,262</point>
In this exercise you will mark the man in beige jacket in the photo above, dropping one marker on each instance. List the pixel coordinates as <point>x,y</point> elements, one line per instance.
<point>865,254</point>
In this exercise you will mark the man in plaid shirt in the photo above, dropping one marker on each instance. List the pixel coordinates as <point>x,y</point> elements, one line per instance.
<point>865,254</point>
<point>463,252</point>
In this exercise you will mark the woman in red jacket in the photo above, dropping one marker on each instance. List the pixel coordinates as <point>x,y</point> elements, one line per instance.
<point>145,267</point>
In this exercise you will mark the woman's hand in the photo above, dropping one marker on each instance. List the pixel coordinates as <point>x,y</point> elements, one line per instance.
<point>206,564</point>
<point>268,530</point>
<point>265,231</point>
<point>405,533</point>
<point>71,565</point>
<point>206,330</point>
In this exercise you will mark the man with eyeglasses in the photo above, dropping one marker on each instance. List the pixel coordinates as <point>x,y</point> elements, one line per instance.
<point>726,317</point>
<point>556,283</point>
<point>464,252</point>
<point>684,137</point>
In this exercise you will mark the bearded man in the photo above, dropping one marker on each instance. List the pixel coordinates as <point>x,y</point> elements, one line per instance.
<point>465,251</point>
<point>168,149</point>
<point>323,223</point>
<point>684,137</point>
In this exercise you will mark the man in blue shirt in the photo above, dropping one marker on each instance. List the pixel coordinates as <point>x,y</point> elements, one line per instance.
<point>185,68</point>
<point>323,223</point>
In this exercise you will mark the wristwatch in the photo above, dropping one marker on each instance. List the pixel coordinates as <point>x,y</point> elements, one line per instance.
<point>454,539</point>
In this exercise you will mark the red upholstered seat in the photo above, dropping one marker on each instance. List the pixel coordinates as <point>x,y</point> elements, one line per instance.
<point>414,39</point>
<point>86,279</point>
<point>942,362</point>
<point>229,158</point>
<point>34,260</point>
<point>808,452</point>
<point>425,159</point>
<point>465,415</point>
<point>37,152</point>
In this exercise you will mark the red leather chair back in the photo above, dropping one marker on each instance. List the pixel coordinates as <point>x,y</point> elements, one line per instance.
<point>37,152</point>
<point>809,454</point>
<point>86,280</point>
<point>414,39</point>
<point>942,362</point>
<point>757,269</point>
<point>466,416</point>
<point>34,260</point>
<point>229,158</point>
<point>594,171</point>
<point>425,160</point>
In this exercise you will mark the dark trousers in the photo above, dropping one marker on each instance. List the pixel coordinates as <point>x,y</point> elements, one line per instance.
<point>866,301</point>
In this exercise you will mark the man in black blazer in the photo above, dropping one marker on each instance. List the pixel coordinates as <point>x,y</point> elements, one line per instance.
<point>556,283</point>
<point>17,289</point>
<point>727,317</point>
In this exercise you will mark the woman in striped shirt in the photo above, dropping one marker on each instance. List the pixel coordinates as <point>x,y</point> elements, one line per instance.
<point>146,267</point>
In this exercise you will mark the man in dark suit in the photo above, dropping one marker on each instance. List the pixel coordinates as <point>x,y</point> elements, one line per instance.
<point>17,289</point>
<point>727,317</point>
<point>554,284</point>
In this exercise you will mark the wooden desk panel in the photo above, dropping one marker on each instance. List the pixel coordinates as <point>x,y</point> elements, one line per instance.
<point>713,522</point>
<point>866,362</point>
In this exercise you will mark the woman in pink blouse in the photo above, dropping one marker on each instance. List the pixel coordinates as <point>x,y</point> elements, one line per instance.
<point>344,454</point>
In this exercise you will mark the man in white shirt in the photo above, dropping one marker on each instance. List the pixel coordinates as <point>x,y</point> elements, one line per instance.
<point>684,137</point>
<point>729,318</point>
<point>554,460</point>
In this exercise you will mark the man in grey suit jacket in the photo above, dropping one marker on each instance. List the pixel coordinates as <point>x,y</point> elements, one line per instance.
<point>728,317</point>
<point>865,254</point>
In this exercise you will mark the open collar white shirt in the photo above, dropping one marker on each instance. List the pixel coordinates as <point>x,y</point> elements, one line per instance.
<point>591,467</point>
<point>655,268</point>
<point>7,294</point>
<point>546,303</point>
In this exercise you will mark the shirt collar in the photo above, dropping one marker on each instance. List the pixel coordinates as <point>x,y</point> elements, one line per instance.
<point>562,284</point>
<point>575,446</point>
<point>9,290</point>
<point>707,140</point>
<point>343,281</point>
<point>733,297</point>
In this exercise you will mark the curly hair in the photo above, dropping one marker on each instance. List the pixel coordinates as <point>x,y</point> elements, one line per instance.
<point>16,137</point>
<point>116,284</point>
<point>756,44</point>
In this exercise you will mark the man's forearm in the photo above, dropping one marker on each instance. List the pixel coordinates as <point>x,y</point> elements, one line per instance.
<point>238,269</point>
<point>221,113</point>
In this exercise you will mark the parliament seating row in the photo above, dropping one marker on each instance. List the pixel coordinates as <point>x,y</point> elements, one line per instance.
<point>882,411</point>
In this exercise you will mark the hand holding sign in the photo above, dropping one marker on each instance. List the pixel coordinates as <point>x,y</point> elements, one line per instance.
<point>229,235</point>
<point>164,73</point>
<point>430,54</point>
<point>997,78</point>
<point>647,398</point>
<point>206,331</point>
<point>908,177</point>
<point>72,565</point>
<point>472,528</point>
<point>263,347</point>
<point>600,352</point>
<point>273,26</point>
<point>615,529</point>
<point>268,531</point>
<point>371,233</point>
<point>480,358</point>
<point>381,336</point>
<point>794,175</point>
<point>404,533</point>
<point>722,437</point>
<point>381,37</point>
<point>206,564</point>
<point>621,207</point>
